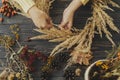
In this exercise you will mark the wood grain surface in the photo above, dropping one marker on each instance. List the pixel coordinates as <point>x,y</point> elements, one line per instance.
<point>26,25</point>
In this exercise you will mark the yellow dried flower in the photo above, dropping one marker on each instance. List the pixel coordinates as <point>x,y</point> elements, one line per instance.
<point>18,75</point>
<point>105,67</point>
<point>99,63</point>
<point>78,72</point>
<point>11,76</point>
<point>4,74</point>
<point>17,36</point>
<point>81,57</point>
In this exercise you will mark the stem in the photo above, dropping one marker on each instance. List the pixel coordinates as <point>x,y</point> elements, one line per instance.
<point>18,44</point>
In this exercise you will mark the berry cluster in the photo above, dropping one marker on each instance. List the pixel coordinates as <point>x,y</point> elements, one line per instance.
<point>73,72</point>
<point>29,57</point>
<point>63,57</point>
<point>58,60</point>
<point>7,9</point>
<point>53,63</point>
<point>44,75</point>
<point>69,75</point>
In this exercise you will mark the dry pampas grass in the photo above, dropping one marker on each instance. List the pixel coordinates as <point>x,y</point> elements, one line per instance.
<point>55,34</point>
<point>83,39</point>
<point>102,19</point>
<point>82,42</point>
<point>82,45</point>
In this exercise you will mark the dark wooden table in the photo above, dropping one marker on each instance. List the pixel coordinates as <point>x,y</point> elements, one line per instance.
<point>26,25</point>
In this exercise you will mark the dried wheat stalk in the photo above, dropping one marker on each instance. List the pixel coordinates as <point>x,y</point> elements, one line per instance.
<point>102,19</point>
<point>55,34</point>
<point>72,41</point>
<point>82,42</point>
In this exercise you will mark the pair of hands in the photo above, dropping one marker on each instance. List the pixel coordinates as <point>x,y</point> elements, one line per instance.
<point>42,20</point>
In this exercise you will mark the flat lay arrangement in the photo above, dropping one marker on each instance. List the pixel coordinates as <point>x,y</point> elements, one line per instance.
<point>38,53</point>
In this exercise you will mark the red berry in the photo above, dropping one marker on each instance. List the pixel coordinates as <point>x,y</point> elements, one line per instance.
<point>32,57</point>
<point>23,56</point>
<point>1,19</point>
<point>31,69</point>
<point>29,63</point>
<point>44,58</point>
<point>25,50</point>
<point>38,54</point>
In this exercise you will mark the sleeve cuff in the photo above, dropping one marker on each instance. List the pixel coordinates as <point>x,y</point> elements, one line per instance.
<point>25,4</point>
<point>84,2</point>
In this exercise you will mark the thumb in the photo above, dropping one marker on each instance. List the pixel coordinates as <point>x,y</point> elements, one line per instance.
<point>49,23</point>
<point>69,25</point>
<point>49,26</point>
<point>62,25</point>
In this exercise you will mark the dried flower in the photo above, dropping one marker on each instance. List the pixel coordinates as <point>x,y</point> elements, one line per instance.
<point>78,72</point>
<point>105,67</point>
<point>18,75</point>
<point>4,74</point>
<point>118,54</point>
<point>49,62</point>
<point>29,58</point>
<point>6,41</point>
<point>99,63</point>
<point>11,76</point>
<point>15,29</point>
<point>55,34</point>
<point>81,58</point>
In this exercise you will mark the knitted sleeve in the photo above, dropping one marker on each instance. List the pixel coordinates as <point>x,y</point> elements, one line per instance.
<point>25,4</point>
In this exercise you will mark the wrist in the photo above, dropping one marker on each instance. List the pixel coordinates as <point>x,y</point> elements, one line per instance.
<point>69,10</point>
<point>25,4</point>
<point>74,5</point>
<point>33,9</point>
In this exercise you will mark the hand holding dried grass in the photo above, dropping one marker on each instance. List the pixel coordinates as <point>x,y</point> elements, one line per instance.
<point>83,41</point>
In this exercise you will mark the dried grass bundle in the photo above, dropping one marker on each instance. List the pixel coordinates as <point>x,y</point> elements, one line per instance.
<point>82,45</point>
<point>100,20</point>
<point>55,34</point>
<point>85,35</point>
